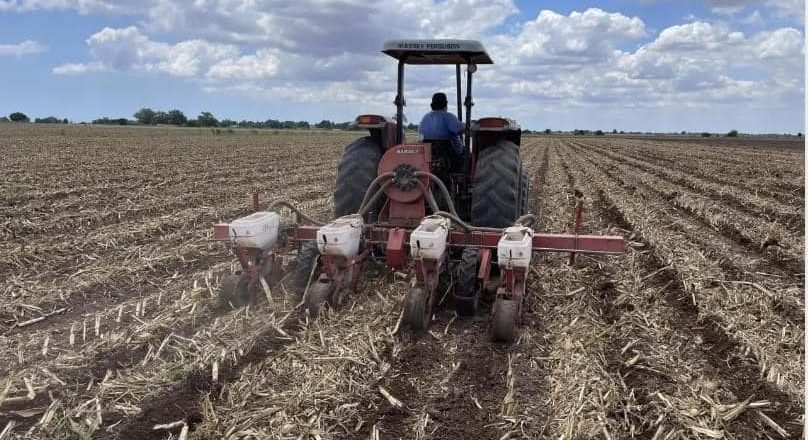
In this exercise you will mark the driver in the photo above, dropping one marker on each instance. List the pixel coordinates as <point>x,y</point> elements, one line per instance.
<point>440,124</point>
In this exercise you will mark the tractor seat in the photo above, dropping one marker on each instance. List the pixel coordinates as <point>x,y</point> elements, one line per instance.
<point>441,148</point>
<point>438,143</point>
<point>444,161</point>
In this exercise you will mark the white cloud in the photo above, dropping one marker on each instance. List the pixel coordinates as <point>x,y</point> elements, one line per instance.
<point>328,50</point>
<point>784,43</point>
<point>580,37</point>
<point>27,47</point>
<point>81,6</point>
<point>127,49</point>
<point>754,18</point>
<point>791,9</point>
<point>264,64</point>
<point>79,68</point>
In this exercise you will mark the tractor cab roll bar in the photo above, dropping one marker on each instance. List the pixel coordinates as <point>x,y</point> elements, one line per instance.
<point>433,52</point>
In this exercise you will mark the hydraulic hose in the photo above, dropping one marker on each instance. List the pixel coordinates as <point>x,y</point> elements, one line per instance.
<point>298,212</point>
<point>526,220</point>
<point>456,221</point>
<point>442,187</point>
<point>370,199</point>
<point>371,187</point>
<point>366,205</point>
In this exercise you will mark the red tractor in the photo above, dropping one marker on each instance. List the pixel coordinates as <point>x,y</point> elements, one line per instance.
<point>417,207</point>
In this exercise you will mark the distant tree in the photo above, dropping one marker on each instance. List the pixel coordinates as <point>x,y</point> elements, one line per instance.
<point>614,131</point>
<point>413,127</point>
<point>273,123</point>
<point>64,121</point>
<point>325,124</point>
<point>107,121</point>
<point>227,123</point>
<point>598,132</point>
<point>302,124</point>
<point>18,117</point>
<point>145,116</point>
<point>683,132</point>
<point>192,123</point>
<point>48,120</point>
<point>4,119</point>
<point>705,134</point>
<point>547,131</point>
<point>622,132</point>
<point>206,119</point>
<point>175,117</point>
<point>160,117</point>
<point>799,135</point>
<point>732,133</point>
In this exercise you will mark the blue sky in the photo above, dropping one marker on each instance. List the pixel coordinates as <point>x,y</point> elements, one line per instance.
<point>660,65</point>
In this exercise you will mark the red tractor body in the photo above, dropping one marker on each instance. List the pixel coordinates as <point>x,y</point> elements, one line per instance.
<point>414,206</point>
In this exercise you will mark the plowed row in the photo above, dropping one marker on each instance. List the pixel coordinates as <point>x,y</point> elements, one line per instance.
<point>110,324</point>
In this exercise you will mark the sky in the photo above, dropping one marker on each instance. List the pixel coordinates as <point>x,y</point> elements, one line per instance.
<point>633,65</point>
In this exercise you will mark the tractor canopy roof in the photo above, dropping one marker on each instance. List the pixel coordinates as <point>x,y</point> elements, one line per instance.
<point>437,51</point>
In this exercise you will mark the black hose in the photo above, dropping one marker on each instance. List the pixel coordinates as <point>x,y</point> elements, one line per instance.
<point>430,199</point>
<point>442,187</point>
<point>368,192</point>
<point>365,207</point>
<point>526,220</point>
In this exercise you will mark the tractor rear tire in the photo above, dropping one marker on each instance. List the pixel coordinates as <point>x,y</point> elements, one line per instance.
<point>308,259</point>
<point>467,285</point>
<point>356,170</point>
<point>496,198</point>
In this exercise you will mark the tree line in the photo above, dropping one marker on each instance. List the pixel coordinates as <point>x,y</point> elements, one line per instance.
<point>147,116</point>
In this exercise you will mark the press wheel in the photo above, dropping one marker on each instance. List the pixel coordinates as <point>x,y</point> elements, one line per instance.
<point>317,296</point>
<point>506,314</point>
<point>417,311</point>
<point>233,290</point>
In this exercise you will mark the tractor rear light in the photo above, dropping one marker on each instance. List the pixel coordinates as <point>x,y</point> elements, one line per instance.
<point>369,121</point>
<point>341,237</point>
<point>428,240</point>
<point>515,247</point>
<point>493,123</point>
<point>258,230</point>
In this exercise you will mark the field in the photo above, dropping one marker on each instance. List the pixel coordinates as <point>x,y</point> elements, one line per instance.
<point>110,325</point>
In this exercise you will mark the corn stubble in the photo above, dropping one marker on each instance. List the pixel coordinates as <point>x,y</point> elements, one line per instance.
<point>110,325</point>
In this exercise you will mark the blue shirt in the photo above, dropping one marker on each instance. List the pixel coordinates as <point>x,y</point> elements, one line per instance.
<point>442,125</point>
